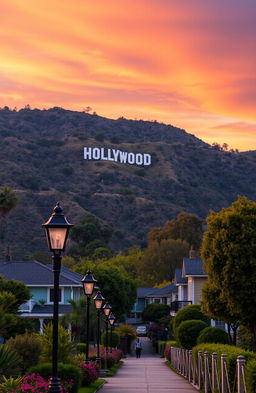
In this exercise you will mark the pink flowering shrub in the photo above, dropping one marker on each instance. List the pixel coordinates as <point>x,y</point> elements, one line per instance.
<point>112,357</point>
<point>167,353</point>
<point>89,372</point>
<point>34,383</point>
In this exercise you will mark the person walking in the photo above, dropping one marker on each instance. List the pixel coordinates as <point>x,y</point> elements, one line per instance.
<point>138,348</point>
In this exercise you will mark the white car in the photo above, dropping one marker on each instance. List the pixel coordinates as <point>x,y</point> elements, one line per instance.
<point>141,331</point>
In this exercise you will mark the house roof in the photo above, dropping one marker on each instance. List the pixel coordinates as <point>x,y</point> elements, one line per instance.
<point>193,267</point>
<point>48,309</point>
<point>156,292</point>
<point>35,273</point>
<point>178,279</point>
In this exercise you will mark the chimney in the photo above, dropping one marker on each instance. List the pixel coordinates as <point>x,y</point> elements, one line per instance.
<point>192,252</point>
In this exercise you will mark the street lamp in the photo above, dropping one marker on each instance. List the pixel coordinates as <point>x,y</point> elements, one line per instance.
<point>111,320</point>
<point>57,229</point>
<point>98,300</point>
<point>88,284</point>
<point>106,309</point>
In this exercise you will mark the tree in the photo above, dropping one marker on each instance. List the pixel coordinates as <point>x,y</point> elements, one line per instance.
<point>229,253</point>
<point>8,201</point>
<point>155,311</point>
<point>161,259</point>
<point>89,235</point>
<point>188,313</point>
<point>115,285</point>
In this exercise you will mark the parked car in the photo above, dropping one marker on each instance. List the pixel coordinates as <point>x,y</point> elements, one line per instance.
<point>141,331</point>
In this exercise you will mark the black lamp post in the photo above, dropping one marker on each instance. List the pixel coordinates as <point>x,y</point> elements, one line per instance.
<point>57,229</point>
<point>111,320</point>
<point>88,284</point>
<point>98,300</point>
<point>107,309</point>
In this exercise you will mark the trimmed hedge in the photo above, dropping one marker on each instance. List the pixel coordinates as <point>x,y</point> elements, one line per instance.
<point>115,339</point>
<point>213,335</point>
<point>162,345</point>
<point>81,347</point>
<point>231,352</point>
<point>65,372</point>
<point>190,312</point>
<point>188,332</point>
<point>250,376</point>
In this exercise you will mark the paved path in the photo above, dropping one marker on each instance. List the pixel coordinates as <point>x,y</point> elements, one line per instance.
<point>148,374</point>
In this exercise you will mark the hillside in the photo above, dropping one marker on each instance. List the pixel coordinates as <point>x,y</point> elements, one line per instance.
<point>41,157</point>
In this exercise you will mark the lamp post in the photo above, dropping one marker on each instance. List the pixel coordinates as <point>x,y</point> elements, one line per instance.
<point>111,320</point>
<point>106,309</point>
<point>57,229</point>
<point>98,300</point>
<point>88,284</point>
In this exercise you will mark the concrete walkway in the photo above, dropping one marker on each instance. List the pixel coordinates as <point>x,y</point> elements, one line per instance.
<point>148,374</point>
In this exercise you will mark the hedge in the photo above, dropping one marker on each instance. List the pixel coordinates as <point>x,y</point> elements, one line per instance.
<point>188,332</point>
<point>65,372</point>
<point>213,335</point>
<point>231,352</point>
<point>162,345</point>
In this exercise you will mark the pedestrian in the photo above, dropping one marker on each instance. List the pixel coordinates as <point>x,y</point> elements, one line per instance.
<point>138,348</point>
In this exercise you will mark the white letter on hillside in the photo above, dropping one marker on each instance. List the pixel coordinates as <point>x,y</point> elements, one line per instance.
<point>139,159</point>
<point>131,158</point>
<point>123,156</point>
<point>96,153</point>
<point>102,154</point>
<point>115,154</point>
<point>87,153</point>
<point>147,159</point>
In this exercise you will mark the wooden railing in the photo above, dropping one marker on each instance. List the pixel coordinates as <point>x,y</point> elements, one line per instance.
<point>204,374</point>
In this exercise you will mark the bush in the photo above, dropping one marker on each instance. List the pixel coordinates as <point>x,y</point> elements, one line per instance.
<point>188,332</point>
<point>155,311</point>
<point>250,376</point>
<point>191,312</point>
<point>28,348</point>
<point>126,330</point>
<point>9,362</point>
<point>163,345</point>
<point>65,346</point>
<point>89,373</point>
<point>213,335</point>
<point>81,348</point>
<point>115,339</point>
<point>232,353</point>
<point>66,372</point>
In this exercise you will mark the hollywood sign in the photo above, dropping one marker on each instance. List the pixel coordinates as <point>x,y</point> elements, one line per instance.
<point>101,153</point>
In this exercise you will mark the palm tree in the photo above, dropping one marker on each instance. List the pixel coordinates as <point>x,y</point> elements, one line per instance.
<point>8,201</point>
<point>77,318</point>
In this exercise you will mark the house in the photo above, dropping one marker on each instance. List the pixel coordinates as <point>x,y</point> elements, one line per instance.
<point>39,279</point>
<point>145,296</point>
<point>189,281</point>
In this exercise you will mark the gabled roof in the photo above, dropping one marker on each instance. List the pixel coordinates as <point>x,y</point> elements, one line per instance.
<point>33,273</point>
<point>156,292</point>
<point>178,279</point>
<point>193,267</point>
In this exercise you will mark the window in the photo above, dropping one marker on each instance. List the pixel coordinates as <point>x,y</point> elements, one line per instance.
<point>51,295</point>
<point>156,300</point>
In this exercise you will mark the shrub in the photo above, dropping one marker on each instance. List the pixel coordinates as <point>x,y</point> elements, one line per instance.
<point>232,353</point>
<point>115,339</point>
<point>81,348</point>
<point>213,335</point>
<point>164,345</point>
<point>188,331</point>
<point>9,362</point>
<point>155,311</point>
<point>11,385</point>
<point>66,372</point>
<point>28,348</point>
<point>250,376</point>
<point>191,312</point>
<point>65,346</point>
<point>89,373</point>
<point>126,330</point>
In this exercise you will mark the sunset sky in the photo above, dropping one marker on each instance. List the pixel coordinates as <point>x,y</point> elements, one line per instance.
<point>189,63</point>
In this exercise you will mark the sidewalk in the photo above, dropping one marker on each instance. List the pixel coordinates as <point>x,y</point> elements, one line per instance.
<point>148,374</point>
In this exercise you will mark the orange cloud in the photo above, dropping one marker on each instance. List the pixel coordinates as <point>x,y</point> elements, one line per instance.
<point>191,64</point>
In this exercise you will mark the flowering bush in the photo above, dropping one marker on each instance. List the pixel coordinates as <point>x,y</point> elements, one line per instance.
<point>112,357</point>
<point>32,383</point>
<point>89,372</point>
<point>167,353</point>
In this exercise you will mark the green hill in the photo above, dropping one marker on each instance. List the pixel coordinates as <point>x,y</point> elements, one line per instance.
<point>41,157</point>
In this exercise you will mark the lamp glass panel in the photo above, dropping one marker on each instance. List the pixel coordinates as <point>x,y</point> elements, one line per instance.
<point>88,288</point>
<point>98,304</point>
<point>111,321</point>
<point>106,311</point>
<point>57,237</point>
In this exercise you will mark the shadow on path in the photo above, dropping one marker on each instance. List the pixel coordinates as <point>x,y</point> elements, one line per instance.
<point>149,374</point>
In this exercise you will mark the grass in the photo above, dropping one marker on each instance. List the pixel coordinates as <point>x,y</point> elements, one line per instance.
<point>93,387</point>
<point>113,370</point>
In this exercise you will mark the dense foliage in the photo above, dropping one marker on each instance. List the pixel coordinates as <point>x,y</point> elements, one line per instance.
<point>188,332</point>
<point>229,252</point>
<point>213,335</point>
<point>191,312</point>
<point>155,311</point>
